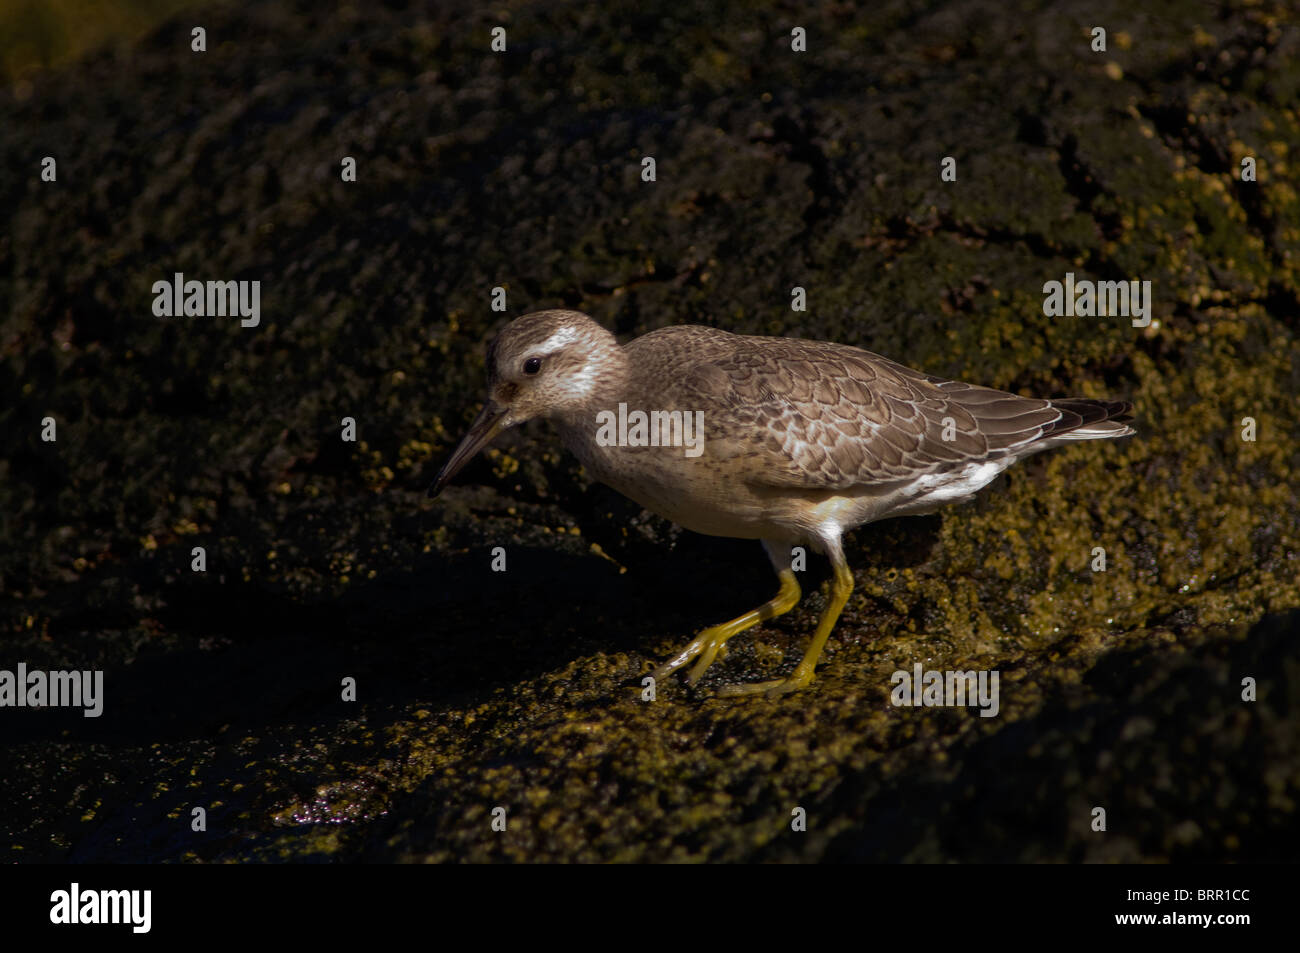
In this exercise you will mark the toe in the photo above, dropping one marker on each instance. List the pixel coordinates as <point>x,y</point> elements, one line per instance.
<point>678,660</point>
<point>712,652</point>
<point>773,689</point>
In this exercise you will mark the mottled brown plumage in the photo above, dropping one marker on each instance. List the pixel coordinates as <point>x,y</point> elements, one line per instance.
<point>802,439</point>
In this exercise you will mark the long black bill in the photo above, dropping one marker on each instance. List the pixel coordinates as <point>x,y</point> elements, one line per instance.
<point>489,422</point>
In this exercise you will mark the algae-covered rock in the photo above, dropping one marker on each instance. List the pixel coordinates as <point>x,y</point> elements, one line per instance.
<point>1161,689</point>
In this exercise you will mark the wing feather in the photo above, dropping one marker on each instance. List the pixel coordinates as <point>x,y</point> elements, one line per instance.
<point>818,415</point>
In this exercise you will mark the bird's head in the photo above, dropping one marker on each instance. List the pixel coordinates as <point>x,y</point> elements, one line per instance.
<point>545,364</point>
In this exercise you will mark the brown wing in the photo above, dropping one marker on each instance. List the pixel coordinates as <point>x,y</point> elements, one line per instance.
<point>816,414</point>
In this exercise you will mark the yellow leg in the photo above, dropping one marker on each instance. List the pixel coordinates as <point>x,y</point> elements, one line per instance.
<point>841,587</point>
<point>709,642</point>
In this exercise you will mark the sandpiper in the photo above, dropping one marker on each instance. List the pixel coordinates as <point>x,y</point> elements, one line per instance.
<point>801,440</point>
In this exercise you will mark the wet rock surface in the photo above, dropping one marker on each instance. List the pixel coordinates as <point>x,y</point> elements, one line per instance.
<point>476,690</point>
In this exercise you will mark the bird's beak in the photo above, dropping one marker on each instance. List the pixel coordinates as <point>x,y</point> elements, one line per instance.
<point>490,421</point>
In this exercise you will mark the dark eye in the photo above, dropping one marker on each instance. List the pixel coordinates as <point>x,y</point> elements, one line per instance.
<point>532,365</point>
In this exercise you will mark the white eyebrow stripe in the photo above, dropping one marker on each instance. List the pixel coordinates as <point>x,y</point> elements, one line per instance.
<point>566,335</point>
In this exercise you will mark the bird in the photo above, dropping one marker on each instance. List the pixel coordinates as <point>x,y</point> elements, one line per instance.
<point>791,442</point>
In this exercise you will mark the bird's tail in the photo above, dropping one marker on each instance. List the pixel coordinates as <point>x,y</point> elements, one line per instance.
<point>1083,418</point>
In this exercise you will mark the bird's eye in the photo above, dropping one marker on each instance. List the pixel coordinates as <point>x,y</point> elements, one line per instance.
<point>532,365</point>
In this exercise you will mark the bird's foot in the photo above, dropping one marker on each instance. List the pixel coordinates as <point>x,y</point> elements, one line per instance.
<point>711,644</point>
<point>708,647</point>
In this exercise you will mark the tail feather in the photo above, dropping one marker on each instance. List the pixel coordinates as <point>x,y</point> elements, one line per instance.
<point>1083,418</point>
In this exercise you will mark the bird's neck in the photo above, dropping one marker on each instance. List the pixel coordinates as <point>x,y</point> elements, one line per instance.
<point>579,422</point>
